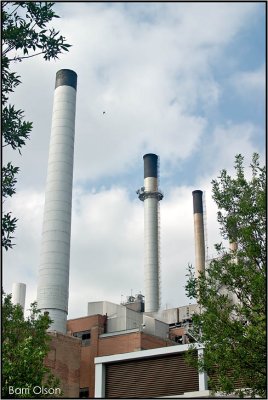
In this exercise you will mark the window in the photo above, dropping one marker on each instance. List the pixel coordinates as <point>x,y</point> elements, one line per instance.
<point>84,336</point>
<point>84,393</point>
<point>179,339</point>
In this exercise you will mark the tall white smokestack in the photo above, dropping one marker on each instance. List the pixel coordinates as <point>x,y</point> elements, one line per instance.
<point>18,294</point>
<point>199,232</point>
<point>151,196</point>
<point>53,282</point>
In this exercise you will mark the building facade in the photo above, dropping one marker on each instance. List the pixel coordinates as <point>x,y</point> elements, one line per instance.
<point>72,356</point>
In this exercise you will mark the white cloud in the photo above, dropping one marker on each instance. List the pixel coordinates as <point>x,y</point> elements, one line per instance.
<point>148,74</point>
<point>107,246</point>
<point>152,68</point>
<point>20,264</point>
<point>250,83</point>
<point>228,141</point>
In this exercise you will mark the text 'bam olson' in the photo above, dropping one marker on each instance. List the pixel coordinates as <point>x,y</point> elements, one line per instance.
<point>34,390</point>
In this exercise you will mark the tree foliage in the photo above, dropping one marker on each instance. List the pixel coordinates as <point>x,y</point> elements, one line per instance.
<point>25,344</point>
<point>232,292</point>
<point>25,34</point>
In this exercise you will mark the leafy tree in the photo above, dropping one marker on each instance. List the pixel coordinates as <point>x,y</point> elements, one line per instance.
<point>25,344</point>
<point>232,291</point>
<point>25,34</point>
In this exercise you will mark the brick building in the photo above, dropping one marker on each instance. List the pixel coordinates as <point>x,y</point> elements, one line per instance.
<point>95,342</point>
<point>64,359</point>
<point>72,356</point>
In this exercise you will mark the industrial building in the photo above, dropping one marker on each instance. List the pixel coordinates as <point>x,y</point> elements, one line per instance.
<point>111,330</point>
<point>134,349</point>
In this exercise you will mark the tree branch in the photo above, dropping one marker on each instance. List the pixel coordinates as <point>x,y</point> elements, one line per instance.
<point>8,49</point>
<point>21,58</point>
<point>14,10</point>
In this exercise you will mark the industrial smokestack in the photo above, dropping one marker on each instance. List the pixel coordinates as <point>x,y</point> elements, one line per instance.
<point>151,196</point>
<point>199,232</point>
<point>18,294</point>
<point>53,282</point>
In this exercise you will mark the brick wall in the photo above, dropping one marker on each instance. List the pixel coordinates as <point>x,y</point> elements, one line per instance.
<point>119,344</point>
<point>96,324</point>
<point>84,323</point>
<point>64,361</point>
<point>153,342</point>
<point>73,362</point>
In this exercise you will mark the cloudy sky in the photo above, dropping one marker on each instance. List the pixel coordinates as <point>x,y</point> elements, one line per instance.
<point>183,80</point>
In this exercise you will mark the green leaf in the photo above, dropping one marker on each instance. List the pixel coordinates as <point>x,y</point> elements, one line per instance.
<point>25,344</point>
<point>27,32</point>
<point>232,291</point>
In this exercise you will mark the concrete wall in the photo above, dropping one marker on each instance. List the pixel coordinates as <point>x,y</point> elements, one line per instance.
<point>186,312</point>
<point>119,317</point>
<point>133,319</point>
<point>102,308</point>
<point>117,321</point>
<point>155,327</point>
<point>169,316</point>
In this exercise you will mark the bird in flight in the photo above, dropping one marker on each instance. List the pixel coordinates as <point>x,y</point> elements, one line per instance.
<point>103,112</point>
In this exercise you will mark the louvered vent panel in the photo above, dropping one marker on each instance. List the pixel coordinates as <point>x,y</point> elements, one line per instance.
<point>213,376</point>
<point>158,376</point>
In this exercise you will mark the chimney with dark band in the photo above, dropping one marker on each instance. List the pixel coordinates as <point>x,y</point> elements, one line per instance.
<point>199,232</point>
<point>53,279</point>
<point>151,196</point>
